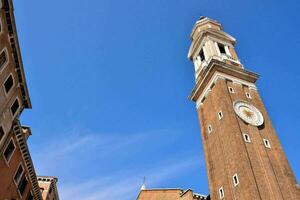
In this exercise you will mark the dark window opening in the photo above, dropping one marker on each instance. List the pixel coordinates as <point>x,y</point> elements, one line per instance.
<point>201,54</point>
<point>18,174</point>
<point>202,101</point>
<point>235,180</point>
<point>267,143</point>
<point>220,115</point>
<point>6,5</point>
<point>1,133</point>
<point>3,59</point>
<point>248,95</point>
<point>221,48</point>
<point>221,193</point>
<point>9,150</point>
<point>22,185</point>
<point>209,128</point>
<point>14,108</point>
<point>8,84</point>
<point>247,138</point>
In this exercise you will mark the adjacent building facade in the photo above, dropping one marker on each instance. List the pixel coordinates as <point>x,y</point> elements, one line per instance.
<point>18,178</point>
<point>170,194</point>
<point>48,187</point>
<point>244,157</point>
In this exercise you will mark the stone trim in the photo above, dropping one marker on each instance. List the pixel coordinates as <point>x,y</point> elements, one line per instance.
<point>16,53</point>
<point>213,81</point>
<point>215,65</point>
<point>28,165</point>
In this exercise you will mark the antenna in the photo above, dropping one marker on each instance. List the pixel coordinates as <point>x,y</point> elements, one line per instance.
<point>144,184</point>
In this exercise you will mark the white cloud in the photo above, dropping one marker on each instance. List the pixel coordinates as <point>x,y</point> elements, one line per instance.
<point>78,142</point>
<point>126,186</point>
<point>65,157</point>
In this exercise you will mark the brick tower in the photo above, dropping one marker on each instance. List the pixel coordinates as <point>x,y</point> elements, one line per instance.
<point>244,158</point>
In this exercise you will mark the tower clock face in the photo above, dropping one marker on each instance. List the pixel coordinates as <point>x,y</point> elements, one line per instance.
<point>248,113</point>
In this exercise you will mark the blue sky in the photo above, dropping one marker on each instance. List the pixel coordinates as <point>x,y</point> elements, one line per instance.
<point>109,82</point>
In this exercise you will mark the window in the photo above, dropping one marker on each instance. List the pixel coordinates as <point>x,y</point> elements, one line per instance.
<point>9,151</point>
<point>267,143</point>
<point>201,54</point>
<point>14,108</point>
<point>247,138</point>
<point>248,95</point>
<point>221,48</point>
<point>2,133</point>
<point>3,58</point>
<point>221,193</point>
<point>18,174</point>
<point>22,185</point>
<point>235,179</point>
<point>231,90</point>
<point>8,84</point>
<point>220,114</point>
<point>209,128</point>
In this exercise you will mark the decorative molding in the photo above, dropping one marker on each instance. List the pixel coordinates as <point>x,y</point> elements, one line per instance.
<point>215,78</point>
<point>15,50</point>
<point>17,129</point>
<point>221,57</point>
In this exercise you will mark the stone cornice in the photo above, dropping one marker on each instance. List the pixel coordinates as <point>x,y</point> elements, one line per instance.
<point>201,22</point>
<point>13,39</point>
<point>195,195</point>
<point>230,72</point>
<point>17,129</point>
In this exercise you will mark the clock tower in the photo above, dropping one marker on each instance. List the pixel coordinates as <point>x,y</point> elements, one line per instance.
<point>244,157</point>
